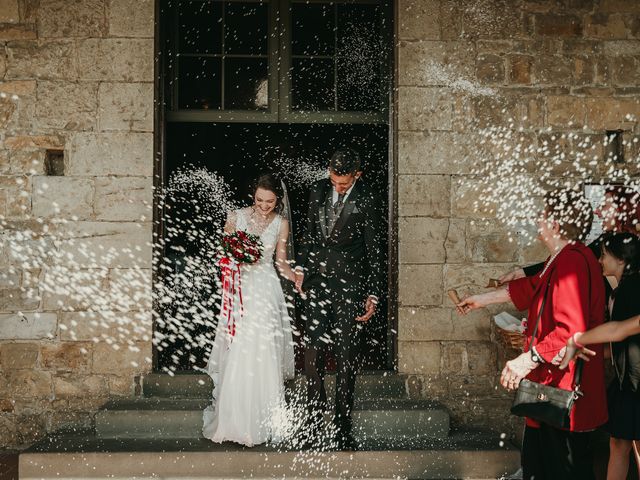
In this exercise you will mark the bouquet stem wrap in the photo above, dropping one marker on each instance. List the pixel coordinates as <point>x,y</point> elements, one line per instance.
<point>231,308</point>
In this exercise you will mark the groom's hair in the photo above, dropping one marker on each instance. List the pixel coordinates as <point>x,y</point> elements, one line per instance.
<point>345,161</point>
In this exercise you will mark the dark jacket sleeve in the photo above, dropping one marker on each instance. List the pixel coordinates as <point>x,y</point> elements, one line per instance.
<point>534,269</point>
<point>374,245</point>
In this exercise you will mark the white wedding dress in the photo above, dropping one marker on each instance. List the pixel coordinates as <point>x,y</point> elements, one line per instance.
<point>249,369</point>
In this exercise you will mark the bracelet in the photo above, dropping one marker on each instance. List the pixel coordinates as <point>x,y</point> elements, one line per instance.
<point>535,356</point>
<point>578,344</point>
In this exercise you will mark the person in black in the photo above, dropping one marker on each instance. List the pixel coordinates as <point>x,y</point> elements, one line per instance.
<point>620,259</point>
<point>339,269</point>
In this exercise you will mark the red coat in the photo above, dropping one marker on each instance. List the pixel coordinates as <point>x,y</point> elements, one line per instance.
<point>568,309</point>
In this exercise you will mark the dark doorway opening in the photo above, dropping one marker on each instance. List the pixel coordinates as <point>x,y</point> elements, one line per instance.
<point>239,153</point>
<point>248,86</point>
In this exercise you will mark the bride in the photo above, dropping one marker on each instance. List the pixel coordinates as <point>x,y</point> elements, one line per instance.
<point>249,367</point>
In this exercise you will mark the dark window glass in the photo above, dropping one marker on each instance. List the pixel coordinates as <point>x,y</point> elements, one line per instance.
<point>200,27</point>
<point>246,28</point>
<point>313,29</point>
<point>200,85</point>
<point>246,84</point>
<point>312,84</point>
<point>337,56</point>
<point>359,57</point>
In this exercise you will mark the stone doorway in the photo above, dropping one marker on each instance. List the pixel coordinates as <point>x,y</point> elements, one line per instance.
<point>251,86</point>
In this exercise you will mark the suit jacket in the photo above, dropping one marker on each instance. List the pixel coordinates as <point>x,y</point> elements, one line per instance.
<point>575,303</point>
<point>626,353</point>
<point>352,249</point>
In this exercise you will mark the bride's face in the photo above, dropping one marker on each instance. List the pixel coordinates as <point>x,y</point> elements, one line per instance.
<point>265,201</point>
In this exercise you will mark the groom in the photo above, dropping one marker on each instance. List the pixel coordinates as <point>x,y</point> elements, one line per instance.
<point>340,270</point>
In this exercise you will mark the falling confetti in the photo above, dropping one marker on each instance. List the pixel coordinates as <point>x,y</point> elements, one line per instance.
<point>510,173</point>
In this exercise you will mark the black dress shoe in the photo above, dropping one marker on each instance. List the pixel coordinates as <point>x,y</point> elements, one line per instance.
<point>311,437</point>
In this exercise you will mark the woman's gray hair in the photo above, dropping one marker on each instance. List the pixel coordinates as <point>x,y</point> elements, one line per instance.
<point>571,210</point>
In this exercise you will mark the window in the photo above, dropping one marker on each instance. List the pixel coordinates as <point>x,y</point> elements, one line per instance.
<point>221,51</point>
<point>336,57</point>
<point>278,61</point>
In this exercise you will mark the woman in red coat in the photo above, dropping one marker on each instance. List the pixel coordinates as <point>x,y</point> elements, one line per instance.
<point>574,301</point>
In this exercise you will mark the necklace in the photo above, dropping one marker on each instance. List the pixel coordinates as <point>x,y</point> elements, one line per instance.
<point>551,259</point>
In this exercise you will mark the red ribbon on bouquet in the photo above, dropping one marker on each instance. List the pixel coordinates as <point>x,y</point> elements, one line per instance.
<point>231,293</point>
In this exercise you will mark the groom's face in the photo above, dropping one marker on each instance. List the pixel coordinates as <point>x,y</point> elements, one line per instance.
<point>342,183</point>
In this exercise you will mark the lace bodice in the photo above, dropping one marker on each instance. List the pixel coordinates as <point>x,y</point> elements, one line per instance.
<point>268,235</point>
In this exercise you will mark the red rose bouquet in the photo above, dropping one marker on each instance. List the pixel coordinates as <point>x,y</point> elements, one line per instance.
<point>241,247</point>
<point>235,249</point>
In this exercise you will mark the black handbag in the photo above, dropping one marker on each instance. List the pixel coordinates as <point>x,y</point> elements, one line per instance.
<point>550,405</point>
<point>544,403</point>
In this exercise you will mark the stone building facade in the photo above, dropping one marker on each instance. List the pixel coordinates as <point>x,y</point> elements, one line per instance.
<point>77,77</point>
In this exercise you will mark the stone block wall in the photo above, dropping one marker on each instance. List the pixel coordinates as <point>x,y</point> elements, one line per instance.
<point>553,67</point>
<point>75,76</point>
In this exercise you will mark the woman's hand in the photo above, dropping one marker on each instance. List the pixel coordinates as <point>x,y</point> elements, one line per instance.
<point>570,351</point>
<point>482,300</point>
<point>517,369</point>
<point>471,303</point>
<point>514,275</point>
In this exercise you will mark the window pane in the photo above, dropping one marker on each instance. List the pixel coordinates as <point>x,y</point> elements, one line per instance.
<point>313,29</point>
<point>200,27</point>
<point>246,85</point>
<point>312,84</point>
<point>359,57</point>
<point>199,85</point>
<point>246,28</point>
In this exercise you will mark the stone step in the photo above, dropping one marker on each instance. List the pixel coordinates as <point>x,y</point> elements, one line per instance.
<point>182,418</point>
<point>464,455</point>
<point>368,386</point>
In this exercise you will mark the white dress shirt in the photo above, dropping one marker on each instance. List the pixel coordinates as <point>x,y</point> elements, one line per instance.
<point>346,195</point>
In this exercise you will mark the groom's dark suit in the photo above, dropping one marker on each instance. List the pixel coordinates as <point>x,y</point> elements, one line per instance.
<point>342,262</point>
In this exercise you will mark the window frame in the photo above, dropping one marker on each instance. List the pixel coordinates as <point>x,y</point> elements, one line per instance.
<point>279,57</point>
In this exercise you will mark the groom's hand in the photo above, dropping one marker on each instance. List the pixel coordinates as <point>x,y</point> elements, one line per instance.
<point>299,281</point>
<point>370,309</point>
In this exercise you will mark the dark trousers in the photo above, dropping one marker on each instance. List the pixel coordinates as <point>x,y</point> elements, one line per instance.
<point>331,312</point>
<point>550,454</point>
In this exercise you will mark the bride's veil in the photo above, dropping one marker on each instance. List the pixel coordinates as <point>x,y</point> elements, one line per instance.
<point>288,289</point>
<point>286,214</point>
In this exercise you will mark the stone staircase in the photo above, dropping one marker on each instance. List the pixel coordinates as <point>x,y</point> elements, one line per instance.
<point>158,436</point>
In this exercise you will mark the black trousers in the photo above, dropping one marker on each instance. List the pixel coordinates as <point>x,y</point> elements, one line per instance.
<point>550,454</point>
<point>331,311</point>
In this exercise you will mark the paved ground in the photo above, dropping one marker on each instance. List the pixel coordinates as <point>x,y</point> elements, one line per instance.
<point>8,465</point>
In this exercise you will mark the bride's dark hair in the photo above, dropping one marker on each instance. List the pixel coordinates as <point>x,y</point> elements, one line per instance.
<point>268,181</point>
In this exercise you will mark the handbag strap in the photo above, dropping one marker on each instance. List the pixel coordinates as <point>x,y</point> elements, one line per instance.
<point>579,363</point>
<point>544,300</point>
